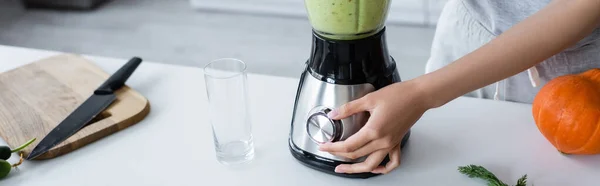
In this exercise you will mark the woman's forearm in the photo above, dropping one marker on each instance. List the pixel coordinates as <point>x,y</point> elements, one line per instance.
<point>558,26</point>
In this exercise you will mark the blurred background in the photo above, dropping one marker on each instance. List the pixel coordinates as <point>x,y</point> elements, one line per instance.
<point>272,36</point>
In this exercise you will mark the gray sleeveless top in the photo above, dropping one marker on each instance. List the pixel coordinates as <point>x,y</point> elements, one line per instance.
<point>467,24</point>
<point>499,15</point>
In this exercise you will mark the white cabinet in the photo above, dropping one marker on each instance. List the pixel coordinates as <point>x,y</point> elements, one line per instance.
<point>422,12</point>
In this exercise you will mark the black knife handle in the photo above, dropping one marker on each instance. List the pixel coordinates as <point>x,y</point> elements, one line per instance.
<point>117,80</point>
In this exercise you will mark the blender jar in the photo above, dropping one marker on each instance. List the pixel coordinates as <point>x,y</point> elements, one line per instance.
<point>347,19</point>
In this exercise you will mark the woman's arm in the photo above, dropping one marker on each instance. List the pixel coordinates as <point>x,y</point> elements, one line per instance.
<point>558,26</point>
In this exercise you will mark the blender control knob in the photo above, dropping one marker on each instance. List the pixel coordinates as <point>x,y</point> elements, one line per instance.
<point>321,128</point>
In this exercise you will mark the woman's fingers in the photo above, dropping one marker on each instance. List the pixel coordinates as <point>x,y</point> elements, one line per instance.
<point>359,139</point>
<point>354,142</point>
<point>366,166</point>
<point>362,151</point>
<point>392,164</point>
<point>350,108</point>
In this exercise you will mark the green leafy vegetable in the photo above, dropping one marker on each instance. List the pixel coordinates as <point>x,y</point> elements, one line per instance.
<point>476,171</point>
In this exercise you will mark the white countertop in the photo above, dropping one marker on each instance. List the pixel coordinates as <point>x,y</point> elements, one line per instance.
<point>173,146</point>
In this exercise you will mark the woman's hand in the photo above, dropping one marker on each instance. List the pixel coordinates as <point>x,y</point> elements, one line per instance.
<point>393,111</point>
<point>395,108</point>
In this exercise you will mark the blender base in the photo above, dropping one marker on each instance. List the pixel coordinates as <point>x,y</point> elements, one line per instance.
<point>328,166</point>
<point>342,63</point>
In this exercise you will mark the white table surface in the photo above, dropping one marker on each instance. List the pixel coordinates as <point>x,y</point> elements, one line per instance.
<point>173,146</point>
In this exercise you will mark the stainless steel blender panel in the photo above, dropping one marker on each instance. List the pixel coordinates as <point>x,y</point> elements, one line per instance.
<point>316,95</point>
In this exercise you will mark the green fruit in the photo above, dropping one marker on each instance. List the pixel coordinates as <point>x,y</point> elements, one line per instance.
<point>4,168</point>
<point>5,152</point>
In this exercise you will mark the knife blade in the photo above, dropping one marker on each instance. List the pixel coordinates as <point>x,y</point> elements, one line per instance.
<point>100,99</point>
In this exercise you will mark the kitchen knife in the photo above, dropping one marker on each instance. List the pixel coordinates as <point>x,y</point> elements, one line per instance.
<point>101,98</point>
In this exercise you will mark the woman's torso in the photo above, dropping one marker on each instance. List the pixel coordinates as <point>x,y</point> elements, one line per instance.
<point>465,25</point>
<point>499,15</point>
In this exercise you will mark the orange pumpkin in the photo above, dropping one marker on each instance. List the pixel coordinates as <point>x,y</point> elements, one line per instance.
<point>567,112</point>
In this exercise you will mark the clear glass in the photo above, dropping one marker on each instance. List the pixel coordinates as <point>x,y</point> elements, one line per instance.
<point>226,86</point>
<point>347,19</point>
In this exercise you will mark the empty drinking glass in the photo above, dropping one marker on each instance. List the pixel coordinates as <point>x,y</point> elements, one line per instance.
<point>226,86</point>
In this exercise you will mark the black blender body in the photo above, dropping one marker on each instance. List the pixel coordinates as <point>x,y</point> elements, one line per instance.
<point>337,72</point>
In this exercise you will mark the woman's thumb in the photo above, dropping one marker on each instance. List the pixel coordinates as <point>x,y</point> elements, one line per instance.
<point>348,109</point>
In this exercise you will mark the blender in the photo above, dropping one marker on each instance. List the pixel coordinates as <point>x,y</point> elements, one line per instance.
<point>349,58</point>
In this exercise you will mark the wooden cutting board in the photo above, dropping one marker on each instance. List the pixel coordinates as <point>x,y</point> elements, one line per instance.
<point>35,98</point>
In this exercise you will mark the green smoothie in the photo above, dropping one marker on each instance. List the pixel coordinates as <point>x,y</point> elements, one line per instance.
<point>347,19</point>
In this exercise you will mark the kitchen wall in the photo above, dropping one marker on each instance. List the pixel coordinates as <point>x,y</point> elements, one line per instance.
<point>176,32</point>
<point>418,12</point>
